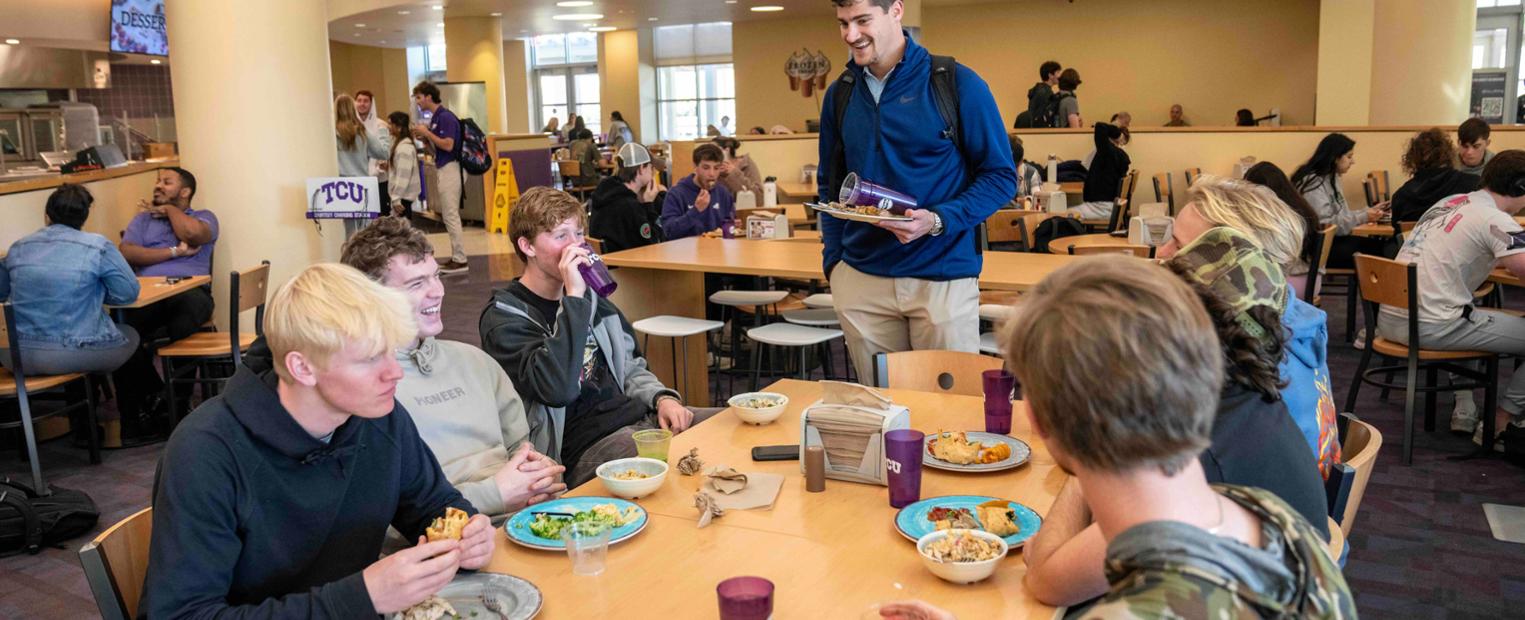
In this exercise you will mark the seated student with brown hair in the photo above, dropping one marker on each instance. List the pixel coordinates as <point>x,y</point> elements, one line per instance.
<point>273,498</point>
<point>1472,139</point>
<point>1121,369</point>
<point>699,203</point>
<point>570,352</point>
<point>1428,162</point>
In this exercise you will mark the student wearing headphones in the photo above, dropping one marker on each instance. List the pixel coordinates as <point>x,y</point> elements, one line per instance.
<point>1456,244</point>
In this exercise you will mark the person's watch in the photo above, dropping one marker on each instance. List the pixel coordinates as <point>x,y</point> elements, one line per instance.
<point>174,251</point>
<point>937,224</point>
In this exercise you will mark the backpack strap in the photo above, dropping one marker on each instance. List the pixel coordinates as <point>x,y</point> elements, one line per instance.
<point>843,95</point>
<point>945,94</point>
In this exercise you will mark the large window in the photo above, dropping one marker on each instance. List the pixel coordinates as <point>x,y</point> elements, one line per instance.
<point>566,78</point>
<point>696,83</point>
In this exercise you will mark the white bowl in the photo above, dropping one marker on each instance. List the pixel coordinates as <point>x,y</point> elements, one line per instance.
<point>632,489</point>
<point>961,572</point>
<point>759,415</point>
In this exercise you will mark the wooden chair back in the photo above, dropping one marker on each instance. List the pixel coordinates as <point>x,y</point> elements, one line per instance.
<point>1192,174</point>
<point>1121,208</point>
<point>1361,442</point>
<point>1141,251</point>
<point>249,289</point>
<point>1164,191</point>
<point>569,168</point>
<point>1001,226</point>
<point>943,372</point>
<point>1369,188</point>
<point>116,563</point>
<point>1325,237</point>
<point>1384,281</point>
<point>1027,224</point>
<point>1380,182</point>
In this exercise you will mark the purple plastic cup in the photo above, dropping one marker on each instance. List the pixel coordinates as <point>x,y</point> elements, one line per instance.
<point>596,274</point>
<point>998,385</point>
<point>859,192</point>
<point>902,459</point>
<point>745,598</point>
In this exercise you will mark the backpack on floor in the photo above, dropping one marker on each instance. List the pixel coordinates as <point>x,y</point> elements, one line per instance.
<point>28,521</point>
<point>474,156</point>
<point>1055,228</point>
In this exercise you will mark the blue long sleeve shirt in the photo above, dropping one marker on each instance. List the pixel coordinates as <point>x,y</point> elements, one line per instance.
<point>898,142</point>
<point>679,217</point>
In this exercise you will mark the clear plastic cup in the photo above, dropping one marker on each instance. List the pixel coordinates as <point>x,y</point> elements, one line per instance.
<point>745,598</point>
<point>857,191</point>
<point>596,274</point>
<point>587,546</point>
<point>652,443</point>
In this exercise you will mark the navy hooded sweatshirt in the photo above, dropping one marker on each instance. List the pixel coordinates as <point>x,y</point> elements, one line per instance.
<point>255,518</point>
<point>899,143</point>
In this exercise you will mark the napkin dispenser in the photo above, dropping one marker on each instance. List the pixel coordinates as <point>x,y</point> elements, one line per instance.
<point>849,422</point>
<point>1150,231</point>
<point>763,225</point>
<point>1054,202</point>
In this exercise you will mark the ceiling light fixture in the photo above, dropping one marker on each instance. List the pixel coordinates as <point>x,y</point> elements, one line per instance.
<point>152,62</point>
<point>359,25</point>
<point>383,41</point>
<point>767,8</point>
<point>438,7</point>
<point>572,4</point>
<point>602,29</point>
<point>578,17</point>
<point>495,14</point>
<point>651,19</point>
<point>13,41</point>
<point>404,12</point>
<point>730,1</point>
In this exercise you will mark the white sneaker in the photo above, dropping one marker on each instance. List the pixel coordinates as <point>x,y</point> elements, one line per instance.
<point>1498,446</point>
<point>1464,413</point>
<point>1360,342</point>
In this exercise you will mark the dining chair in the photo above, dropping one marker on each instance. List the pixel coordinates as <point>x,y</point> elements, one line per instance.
<point>1001,227</point>
<point>1120,205</point>
<point>116,563</point>
<point>1380,182</point>
<point>944,372</point>
<point>17,387</point>
<point>1164,191</point>
<point>247,290</point>
<point>1192,174</point>
<point>1324,241</point>
<point>1347,480</point>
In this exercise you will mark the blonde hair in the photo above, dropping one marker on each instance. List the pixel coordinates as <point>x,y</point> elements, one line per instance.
<point>347,121</point>
<point>1251,209</point>
<point>1119,362</point>
<point>328,306</point>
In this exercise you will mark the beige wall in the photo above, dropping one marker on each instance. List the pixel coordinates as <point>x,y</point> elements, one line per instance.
<point>474,53</point>
<point>1344,62</point>
<point>759,49</point>
<point>516,87</point>
<point>1211,57</point>
<point>116,202</point>
<point>1424,74</point>
<point>383,71</point>
<point>619,77</point>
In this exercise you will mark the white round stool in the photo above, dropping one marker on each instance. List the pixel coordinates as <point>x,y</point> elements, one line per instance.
<point>988,344</point>
<point>995,313</point>
<point>675,328</point>
<point>816,317</point>
<point>818,300</point>
<point>730,299</point>
<point>787,335</point>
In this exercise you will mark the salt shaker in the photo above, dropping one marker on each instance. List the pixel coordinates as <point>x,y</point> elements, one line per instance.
<point>815,469</point>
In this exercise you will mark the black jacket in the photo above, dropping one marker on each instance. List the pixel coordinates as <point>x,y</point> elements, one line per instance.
<point>253,517</point>
<point>1108,167</point>
<point>621,220</point>
<point>1427,188</point>
<point>1257,444</point>
<point>1040,105</point>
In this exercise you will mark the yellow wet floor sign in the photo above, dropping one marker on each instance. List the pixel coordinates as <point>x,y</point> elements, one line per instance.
<point>505,194</point>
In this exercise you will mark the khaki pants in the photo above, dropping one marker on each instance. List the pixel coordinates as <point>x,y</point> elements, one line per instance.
<point>884,315</point>
<point>449,179</point>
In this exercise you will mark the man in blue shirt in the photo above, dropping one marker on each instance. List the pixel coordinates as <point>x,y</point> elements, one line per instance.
<point>443,131</point>
<point>698,204</point>
<point>908,285</point>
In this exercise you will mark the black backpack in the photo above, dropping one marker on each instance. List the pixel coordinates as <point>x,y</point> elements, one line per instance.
<point>944,93</point>
<point>472,151</point>
<point>1053,111</point>
<point>1055,228</point>
<point>29,521</point>
<point>1042,106</point>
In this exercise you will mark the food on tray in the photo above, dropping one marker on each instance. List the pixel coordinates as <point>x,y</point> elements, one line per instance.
<point>956,448</point>
<point>998,518</point>
<point>952,518</point>
<point>448,527</point>
<point>631,474</point>
<point>549,526</point>
<point>962,546</point>
<point>758,402</point>
<point>432,609</point>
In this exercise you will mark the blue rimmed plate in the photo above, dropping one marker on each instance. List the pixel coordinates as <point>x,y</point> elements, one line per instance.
<point>912,521</point>
<point>518,526</point>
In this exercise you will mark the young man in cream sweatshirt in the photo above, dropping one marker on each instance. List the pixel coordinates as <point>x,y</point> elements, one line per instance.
<point>465,407</point>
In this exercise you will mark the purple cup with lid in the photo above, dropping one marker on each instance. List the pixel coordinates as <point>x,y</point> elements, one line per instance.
<point>856,191</point>
<point>596,274</point>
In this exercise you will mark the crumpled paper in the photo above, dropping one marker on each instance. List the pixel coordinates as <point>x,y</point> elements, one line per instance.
<point>691,464</point>
<point>708,510</point>
<point>726,480</point>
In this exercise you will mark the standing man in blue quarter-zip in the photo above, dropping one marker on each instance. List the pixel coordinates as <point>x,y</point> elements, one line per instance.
<point>929,128</point>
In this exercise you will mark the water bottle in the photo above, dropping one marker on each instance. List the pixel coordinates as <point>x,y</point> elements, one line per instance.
<point>746,199</point>
<point>1053,169</point>
<point>770,192</point>
<point>596,274</point>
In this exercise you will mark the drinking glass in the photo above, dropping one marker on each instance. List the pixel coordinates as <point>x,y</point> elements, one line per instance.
<point>652,443</point>
<point>860,192</point>
<point>998,384</point>
<point>902,455</point>
<point>587,546</point>
<point>745,598</point>
<point>596,274</point>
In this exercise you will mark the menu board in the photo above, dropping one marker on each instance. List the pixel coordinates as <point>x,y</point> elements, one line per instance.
<point>137,27</point>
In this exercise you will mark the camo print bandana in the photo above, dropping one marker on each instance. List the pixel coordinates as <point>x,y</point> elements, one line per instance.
<point>1235,269</point>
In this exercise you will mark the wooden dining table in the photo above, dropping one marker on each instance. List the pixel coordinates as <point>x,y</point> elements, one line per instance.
<point>668,278</point>
<point>1062,244</point>
<point>154,289</point>
<point>796,190</point>
<point>832,554</point>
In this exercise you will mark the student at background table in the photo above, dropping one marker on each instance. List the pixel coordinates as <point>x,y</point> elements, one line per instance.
<point>56,280</point>
<point>1473,138</point>
<point>1319,181</point>
<point>1428,162</point>
<point>699,203</point>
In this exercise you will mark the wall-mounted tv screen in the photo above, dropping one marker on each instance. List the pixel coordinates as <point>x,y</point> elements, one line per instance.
<point>137,27</point>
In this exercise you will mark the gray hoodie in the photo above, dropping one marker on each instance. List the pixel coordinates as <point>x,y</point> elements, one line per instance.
<point>467,412</point>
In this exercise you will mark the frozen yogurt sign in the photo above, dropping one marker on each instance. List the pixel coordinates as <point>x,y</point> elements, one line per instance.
<point>331,198</point>
<point>807,72</point>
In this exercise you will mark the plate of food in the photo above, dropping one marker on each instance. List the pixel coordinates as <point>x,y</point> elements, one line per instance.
<point>856,213</point>
<point>539,526</point>
<point>1013,522</point>
<point>479,595</point>
<point>974,451</point>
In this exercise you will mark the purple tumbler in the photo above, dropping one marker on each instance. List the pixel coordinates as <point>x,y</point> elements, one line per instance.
<point>858,192</point>
<point>902,459</point>
<point>998,385</point>
<point>596,274</point>
<point>745,598</point>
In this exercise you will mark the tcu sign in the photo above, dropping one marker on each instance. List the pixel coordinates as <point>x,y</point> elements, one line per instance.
<point>343,198</point>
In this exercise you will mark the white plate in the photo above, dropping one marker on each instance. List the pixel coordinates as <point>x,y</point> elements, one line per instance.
<point>845,214</point>
<point>517,598</point>
<point>1020,452</point>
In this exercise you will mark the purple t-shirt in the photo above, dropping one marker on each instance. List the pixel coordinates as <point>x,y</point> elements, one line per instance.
<point>445,125</point>
<point>153,232</point>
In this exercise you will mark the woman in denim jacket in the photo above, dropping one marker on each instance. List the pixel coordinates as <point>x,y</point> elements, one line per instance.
<point>57,280</point>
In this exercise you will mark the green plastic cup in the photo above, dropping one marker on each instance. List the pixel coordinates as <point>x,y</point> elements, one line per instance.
<point>652,443</point>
